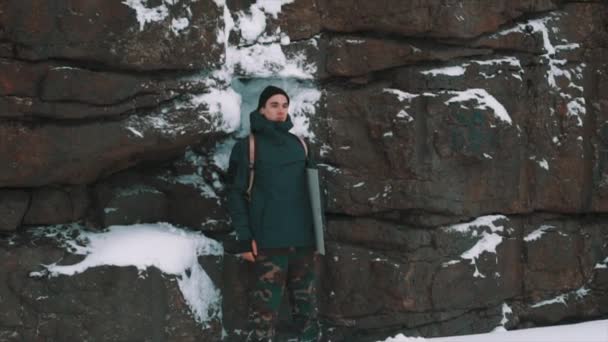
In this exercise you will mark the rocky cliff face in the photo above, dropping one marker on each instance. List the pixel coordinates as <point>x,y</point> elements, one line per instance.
<point>463,147</point>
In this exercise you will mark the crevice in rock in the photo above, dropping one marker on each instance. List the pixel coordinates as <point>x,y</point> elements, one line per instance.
<point>27,208</point>
<point>581,269</point>
<point>430,287</point>
<point>100,66</point>
<point>334,216</point>
<point>523,256</point>
<point>388,74</point>
<point>455,41</point>
<point>589,129</point>
<point>89,104</point>
<point>43,119</point>
<point>527,322</point>
<point>436,320</point>
<point>418,41</point>
<point>378,216</point>
<point>381,216</point>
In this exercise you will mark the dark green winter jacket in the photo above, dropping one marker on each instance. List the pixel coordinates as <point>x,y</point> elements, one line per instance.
<point>279,214</point>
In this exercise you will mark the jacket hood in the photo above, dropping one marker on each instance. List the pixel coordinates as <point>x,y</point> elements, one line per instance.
<point>259,124</point>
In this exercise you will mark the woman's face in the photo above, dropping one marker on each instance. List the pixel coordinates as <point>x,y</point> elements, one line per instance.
<point>276,108</point>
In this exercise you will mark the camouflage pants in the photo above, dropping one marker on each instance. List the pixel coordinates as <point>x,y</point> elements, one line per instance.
<point>295,271</point>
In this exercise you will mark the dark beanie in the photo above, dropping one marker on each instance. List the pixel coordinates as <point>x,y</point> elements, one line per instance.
<point>269,92</point>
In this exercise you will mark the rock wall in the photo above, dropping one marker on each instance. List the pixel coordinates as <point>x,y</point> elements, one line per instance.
<point>462,144</point>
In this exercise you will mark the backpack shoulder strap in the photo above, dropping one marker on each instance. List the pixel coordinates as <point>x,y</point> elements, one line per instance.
<point>303,144</point>
<point>251,165</point>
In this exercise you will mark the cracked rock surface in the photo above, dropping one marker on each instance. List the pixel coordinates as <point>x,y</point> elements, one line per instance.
<point>463,146</point>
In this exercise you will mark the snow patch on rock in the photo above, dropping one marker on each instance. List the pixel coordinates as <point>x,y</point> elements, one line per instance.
<point>538,233</point>
<point>488,242</point>
<point>172,250</point>
<point>484,101</point>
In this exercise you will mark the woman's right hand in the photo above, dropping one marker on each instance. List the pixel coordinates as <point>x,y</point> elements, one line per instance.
<point>250,256</point>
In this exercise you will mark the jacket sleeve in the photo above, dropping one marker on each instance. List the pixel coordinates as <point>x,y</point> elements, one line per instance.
<point>237,179</point>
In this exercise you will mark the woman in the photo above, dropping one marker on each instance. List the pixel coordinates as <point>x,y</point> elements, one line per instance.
<point>273,221</point>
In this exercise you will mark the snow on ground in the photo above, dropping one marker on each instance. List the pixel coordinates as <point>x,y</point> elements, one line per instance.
<point>172,250</point>
<point>487,242</point>
<point>594,331</point>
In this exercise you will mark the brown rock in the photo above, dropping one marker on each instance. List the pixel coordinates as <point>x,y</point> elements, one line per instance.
<point>52,206</point>
<point>13,204</point>
<point>6,50</point>
<point>357,56</point>
<point>80,154</point>
<point>20,79</point>
<point>136,204</point>
<point>65,305</point>
<point>47,90</point>
<point>300,19</point>
<point>190,207</point>
<point>568,280</point>
<point>457,287</point>
<point>408,143</point>
<point>71,84</point>
<point>378,235</point>
<point>28,108</point>
<point>108,33</point>
<point>383,284</point>
<point>490,277</point>
<point>552,260</point>
<point>455,19</point>
<point>525,39</point>
<point>598,109</point>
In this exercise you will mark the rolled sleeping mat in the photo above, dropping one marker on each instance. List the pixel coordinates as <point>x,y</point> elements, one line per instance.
<point>314,191</point>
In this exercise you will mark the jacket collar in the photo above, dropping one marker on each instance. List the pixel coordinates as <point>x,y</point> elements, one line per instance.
<point>274,130</point>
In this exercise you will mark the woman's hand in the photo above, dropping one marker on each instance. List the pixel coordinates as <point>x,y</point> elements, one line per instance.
<point>250,256</point>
